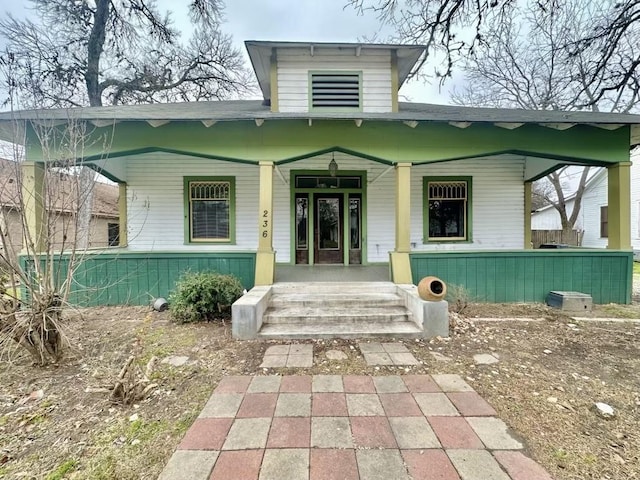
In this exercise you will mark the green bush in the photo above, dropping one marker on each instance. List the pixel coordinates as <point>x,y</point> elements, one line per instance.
<point>203,296</point>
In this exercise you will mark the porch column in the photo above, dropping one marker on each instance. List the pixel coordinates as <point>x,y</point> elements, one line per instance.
<point>527,215</point>
<point>400,264</point>
<point>34,211</point>
<point>122,215</point>
<point>619,206</point>
<point>265,258</point>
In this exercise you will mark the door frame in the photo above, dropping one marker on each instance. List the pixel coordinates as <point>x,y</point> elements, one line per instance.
<point>345,208</point>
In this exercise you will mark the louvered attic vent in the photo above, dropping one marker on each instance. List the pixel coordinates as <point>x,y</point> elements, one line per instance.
<point>335,90</point>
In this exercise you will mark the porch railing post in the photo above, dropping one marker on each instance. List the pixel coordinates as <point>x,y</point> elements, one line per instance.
<point>619,206</point>
<point>265,258</point>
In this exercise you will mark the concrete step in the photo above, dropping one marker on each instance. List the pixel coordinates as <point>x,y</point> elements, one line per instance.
<point>283,331</point>
<point>369,299</point>
<point>331,314</point>
<point>357,288</point>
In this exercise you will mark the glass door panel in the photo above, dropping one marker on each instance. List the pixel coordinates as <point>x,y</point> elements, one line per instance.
<point>355,229</point>
<point>328,229</point>
<point>302,228</point>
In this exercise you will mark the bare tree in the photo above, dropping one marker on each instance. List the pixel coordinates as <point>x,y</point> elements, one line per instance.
<point>454,30</point>
<point>35,290</point>
<point>109,52</point>
<point>120,51</point>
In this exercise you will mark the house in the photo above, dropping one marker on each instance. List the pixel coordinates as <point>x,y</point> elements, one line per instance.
<point>104,224</point>
<point>593,218</point>
<point>331,169</point>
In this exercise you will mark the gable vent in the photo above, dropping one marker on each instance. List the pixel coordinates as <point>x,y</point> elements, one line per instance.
<point>335,90</point>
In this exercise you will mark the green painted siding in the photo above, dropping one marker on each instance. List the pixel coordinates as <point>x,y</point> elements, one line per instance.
<point>528,276</point>
<point>138,278</point>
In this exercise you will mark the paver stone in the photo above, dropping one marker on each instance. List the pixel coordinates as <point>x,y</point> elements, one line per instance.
<point>285,464</point>
<point>494,433</point>
<point>413,432</point>
<point>331,432</point>
<point>381,465</point>
<point>247,433</point>
<point>476,465</point>
<point>194,464</point>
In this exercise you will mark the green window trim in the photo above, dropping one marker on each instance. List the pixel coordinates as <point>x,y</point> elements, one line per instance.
<point>468,221</point>
<point>357,73</point>
<point>188,240</point>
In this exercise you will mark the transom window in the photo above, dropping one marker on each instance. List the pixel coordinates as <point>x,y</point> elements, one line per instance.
<point>335,90</point>
<point>210,209</point>
<point>447,209</point>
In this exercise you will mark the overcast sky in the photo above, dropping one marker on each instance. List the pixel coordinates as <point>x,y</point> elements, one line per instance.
<point>298,20</point>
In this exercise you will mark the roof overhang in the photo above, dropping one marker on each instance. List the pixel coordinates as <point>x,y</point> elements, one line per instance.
<point>262,54</point>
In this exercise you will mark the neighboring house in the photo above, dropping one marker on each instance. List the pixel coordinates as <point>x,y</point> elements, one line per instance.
<point>593,218</point>
<point>104,222</point>
<point>330,168</point>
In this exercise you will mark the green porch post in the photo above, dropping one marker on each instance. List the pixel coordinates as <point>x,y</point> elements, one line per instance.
<point>527,216</point>
<point>34,211</point>
<point>266,257</point>
<point>400,264</point>
<point>619,206</point>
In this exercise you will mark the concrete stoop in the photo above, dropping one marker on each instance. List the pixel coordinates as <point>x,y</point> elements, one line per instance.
<point>337,310</point>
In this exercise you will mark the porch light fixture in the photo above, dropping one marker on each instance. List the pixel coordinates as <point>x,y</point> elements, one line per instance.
<point>333,166</point>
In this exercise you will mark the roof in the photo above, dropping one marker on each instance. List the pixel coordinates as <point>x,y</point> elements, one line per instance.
<point>105,198</point>
<point>261,55</point>
<point>254,109</point>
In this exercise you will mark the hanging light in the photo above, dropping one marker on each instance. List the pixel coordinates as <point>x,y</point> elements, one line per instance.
<point>333,166</point>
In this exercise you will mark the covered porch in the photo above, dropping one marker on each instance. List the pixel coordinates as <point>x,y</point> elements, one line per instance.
<point>496,160</point>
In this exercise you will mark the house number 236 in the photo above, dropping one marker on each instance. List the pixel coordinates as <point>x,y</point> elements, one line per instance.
<point>265,223</point>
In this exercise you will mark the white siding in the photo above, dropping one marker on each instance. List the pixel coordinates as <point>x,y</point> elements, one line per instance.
<point>155,201</point>
<point>295,64</point>
<point>497,203</point>
<point>594,197</point>
<point>549,218</point>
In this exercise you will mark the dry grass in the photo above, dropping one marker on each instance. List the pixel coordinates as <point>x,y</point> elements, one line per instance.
<point>70,433</point>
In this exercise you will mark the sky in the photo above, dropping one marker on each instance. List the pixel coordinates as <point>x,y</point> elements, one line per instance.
<point>289,20</point>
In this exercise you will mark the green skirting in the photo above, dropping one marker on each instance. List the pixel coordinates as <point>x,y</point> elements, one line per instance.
<point>125,278</point>
<point>529,275</point>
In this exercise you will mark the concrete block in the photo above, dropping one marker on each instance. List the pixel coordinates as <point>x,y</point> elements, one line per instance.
<point>247,312</point>
<point>432,317</point>
<point>436,319</point>
<point>570,301</point>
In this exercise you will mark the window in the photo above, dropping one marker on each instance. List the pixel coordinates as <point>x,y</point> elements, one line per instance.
<point>210,204</point>
<point>604,221</point>
<point>446,206</point>
<point>113,232</point>
<point>335,90</point>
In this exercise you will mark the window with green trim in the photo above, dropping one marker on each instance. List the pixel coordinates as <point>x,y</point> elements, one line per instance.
<point>447,209</point>
<point>210,209</point>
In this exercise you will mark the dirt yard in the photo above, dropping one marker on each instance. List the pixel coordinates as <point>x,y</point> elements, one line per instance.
<point>59,423</point>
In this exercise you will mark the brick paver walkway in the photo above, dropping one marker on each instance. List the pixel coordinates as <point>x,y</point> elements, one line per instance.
<point>323,427</point>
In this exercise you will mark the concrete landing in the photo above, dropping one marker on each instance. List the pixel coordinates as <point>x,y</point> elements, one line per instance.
<point>317,427</point>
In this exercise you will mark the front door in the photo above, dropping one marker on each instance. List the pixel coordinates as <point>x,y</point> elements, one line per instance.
<point>328,228</point>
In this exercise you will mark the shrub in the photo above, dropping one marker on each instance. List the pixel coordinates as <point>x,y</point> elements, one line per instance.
<point>203,296</point>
